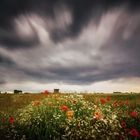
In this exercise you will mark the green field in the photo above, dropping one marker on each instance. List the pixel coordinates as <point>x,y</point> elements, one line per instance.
<point>70,116</point>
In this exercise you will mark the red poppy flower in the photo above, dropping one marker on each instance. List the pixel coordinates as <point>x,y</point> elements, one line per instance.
<point>134,133</point>
<point>63,107</point>
<point>103,101</point>
<point>126,103</point>
<point>46,92</point>
<point>115,104</point>
<point>11,120</point>
<point>134,114</point>
<point>121,103</point>
<point>123,124</point>
<point>108,98</point>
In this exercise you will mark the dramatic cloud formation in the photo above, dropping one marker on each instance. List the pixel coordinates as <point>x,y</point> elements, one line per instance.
<point>73,42</point>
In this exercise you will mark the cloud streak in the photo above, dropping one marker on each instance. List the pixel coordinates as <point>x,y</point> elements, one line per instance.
<point>69,17</point>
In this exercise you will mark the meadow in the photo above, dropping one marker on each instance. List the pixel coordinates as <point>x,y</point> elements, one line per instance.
<point>70,116</point>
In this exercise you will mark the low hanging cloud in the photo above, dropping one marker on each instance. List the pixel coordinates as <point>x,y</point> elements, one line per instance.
<point>73,42</point>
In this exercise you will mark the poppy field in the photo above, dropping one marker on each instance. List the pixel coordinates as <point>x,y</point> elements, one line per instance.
<point>70,117</point>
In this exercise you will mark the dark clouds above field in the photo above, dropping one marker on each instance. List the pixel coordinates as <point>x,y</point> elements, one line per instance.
<point>78,42</point>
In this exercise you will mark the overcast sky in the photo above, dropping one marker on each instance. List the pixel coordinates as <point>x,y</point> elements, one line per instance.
<point>91,45</point>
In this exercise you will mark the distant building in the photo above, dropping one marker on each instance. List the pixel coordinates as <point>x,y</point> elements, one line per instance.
<point>117,92</point>
<point>56,91</point>
<point>17,91</point>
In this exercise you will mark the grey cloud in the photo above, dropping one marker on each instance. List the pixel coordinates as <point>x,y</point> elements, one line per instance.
<point>100,44</point>
<point>10,39</point>
<point>2,82</point>
<point>82,12</point>
<point>4,60</point>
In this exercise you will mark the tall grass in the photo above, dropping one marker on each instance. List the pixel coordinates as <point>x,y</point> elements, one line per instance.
<point>9,103</point>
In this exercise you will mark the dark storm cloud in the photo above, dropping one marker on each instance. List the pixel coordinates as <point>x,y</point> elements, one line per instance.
<point>99,43</point>
<point>85,10</point>
<point>11,40</point>
<point>5,60</point>
<point>82,12</point>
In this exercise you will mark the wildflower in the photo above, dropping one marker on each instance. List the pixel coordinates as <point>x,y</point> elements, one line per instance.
<point>134,114</point>
<point>63,107</point>
<point>95,106</point>
<point>134,133</point>
<point>121,103</point>
<point>126,102</point>
<point>108,98</point>
<point>36,103</point>
<point>123,124</point>
<point>46,92</point>
<point>97,115</point>
<point>115,104</point>
<point>74,102</point>
<point>11,120</point>
<point>70,114</point>
<point>103,101</point>
<point>114,116</point>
